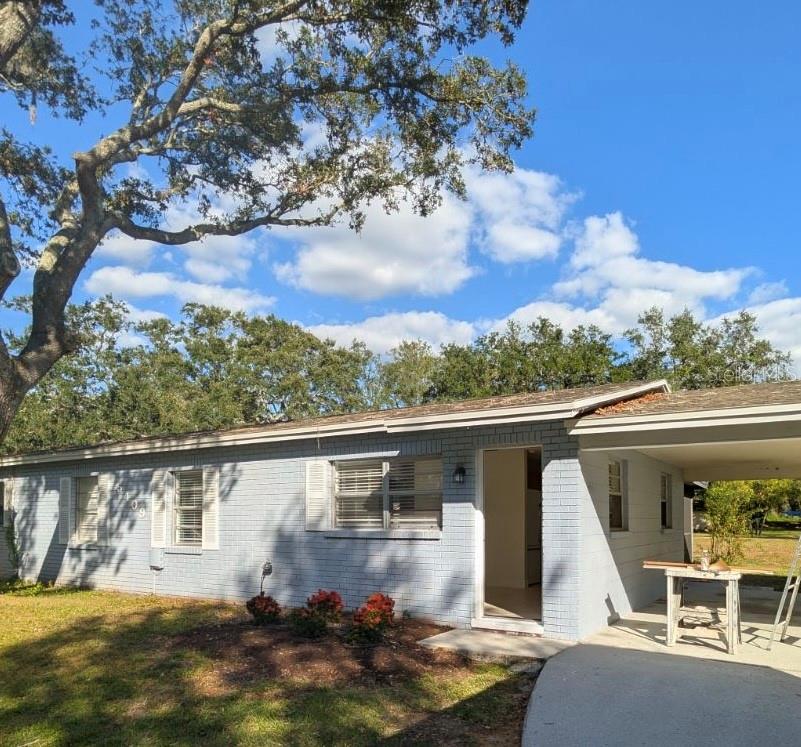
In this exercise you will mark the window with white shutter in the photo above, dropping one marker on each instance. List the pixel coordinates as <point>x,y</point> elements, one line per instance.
<point>188,508</point>
<point>87,496</point>
<point>389,494</point>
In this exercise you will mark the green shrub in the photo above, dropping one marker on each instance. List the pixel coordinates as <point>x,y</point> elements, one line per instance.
<point>265,609</point>
<point>729,516</point>
<point>307,623</point>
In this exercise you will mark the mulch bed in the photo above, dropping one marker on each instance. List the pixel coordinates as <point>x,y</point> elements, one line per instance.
<point>245,653</point>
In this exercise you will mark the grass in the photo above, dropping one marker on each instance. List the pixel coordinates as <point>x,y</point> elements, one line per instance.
<point>95,667</point>
<point>770,552</point>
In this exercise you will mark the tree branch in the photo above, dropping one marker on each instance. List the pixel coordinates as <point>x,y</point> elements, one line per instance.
<point>200,230</point>
<point>9,264</point>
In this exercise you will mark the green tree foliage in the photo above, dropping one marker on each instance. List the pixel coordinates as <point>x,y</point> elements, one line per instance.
<point>525,359</point>
<point>214,368</point>
<point>728,511</point>
<point>231,116</point>
<point>692,355</point>
<point>211,369</point>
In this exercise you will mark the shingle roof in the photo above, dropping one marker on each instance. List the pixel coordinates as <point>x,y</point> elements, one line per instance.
<point>565,398</point>
<point>722,398</point>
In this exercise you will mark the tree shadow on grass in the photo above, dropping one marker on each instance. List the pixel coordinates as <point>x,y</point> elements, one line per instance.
<point>106,673</point>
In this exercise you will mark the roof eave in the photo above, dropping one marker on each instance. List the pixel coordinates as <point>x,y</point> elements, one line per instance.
<point>564,411</point>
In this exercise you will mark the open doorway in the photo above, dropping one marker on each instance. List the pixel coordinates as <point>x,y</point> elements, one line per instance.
<point>512,493</point>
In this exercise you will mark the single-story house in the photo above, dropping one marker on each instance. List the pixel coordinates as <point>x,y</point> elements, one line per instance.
<point>530,513</point>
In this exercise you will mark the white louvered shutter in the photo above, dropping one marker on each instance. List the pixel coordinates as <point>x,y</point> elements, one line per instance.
<point>211,508</point>
<point>318,496</point>
<point>158,509</point>
<point>66,511</point>
<point>105,483</point>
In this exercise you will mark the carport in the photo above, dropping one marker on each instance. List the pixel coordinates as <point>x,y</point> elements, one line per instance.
<point>693,692</point>
<point>749,432</point>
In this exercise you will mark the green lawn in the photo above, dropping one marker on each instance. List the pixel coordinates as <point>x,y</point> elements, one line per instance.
<point>770,552</point>
<point>89,667</point>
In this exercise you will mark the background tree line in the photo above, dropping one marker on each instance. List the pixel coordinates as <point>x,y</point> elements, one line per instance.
<point>215,368</point>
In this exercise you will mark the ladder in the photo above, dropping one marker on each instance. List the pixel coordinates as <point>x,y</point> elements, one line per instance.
<point>785,612</point>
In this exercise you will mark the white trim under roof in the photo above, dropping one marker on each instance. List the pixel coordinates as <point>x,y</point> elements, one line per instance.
<point>663,430</point>
<point>388,425</point>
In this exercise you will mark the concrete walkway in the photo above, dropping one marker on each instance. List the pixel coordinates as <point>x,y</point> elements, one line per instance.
<point>625,687</point>
<point>489,645</point>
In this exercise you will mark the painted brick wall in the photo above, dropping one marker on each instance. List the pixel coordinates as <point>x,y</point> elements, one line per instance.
<point>613,581</point>
<point>262,517</point>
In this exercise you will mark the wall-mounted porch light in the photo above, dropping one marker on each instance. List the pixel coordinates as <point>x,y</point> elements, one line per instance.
<point>459,475</point>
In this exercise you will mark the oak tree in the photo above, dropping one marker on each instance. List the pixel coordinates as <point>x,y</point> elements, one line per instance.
<point>240,114</point>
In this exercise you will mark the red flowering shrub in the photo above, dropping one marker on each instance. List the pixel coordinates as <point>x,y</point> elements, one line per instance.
<point>265,610</point>
<point>328,604</point>
<point>372,619</point>
<point>307,623</point>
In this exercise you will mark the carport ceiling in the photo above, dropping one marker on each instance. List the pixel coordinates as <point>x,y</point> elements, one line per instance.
<point>756,460</point>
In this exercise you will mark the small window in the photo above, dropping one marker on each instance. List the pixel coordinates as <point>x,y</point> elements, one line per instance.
<point>618,519</point>
<point>389,494</point>
<point>189,507</point>
<point>87,494</point>
<point>666,500</point>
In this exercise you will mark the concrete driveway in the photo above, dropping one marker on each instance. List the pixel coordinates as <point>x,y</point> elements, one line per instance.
<point>625,687</point>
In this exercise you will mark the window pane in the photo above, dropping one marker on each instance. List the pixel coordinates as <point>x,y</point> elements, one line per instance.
<point>415,494</point>
<point>86,510</point>
<point>189,507</point>
<point>360,495</point>
<point>616,512</point>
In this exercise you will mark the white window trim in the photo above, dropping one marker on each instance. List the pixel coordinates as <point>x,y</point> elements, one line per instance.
<point>387,530</point>
<point>173,529</point>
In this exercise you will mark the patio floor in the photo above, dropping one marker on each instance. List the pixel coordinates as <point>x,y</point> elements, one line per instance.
<point>623,686</point>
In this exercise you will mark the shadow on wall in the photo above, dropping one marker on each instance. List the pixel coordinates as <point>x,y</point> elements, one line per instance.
<point>418,574</point>
<point>100,564</point>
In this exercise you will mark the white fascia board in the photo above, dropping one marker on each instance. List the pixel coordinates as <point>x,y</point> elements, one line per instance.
<point>694,419</point>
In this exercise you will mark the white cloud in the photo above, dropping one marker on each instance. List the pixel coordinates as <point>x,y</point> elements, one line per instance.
<point>123,282</point>
<point>395,253</point>
<point>519,215</point>
<point>122,248</point>
<point>765,292</point>
<point>610,285</point>
<point>382,333</point>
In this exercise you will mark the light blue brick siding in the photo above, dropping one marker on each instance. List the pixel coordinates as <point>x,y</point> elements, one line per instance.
<point>262,518</point>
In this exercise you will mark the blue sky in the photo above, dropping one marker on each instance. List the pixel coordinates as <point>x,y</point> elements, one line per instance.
<point>665,169</point>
